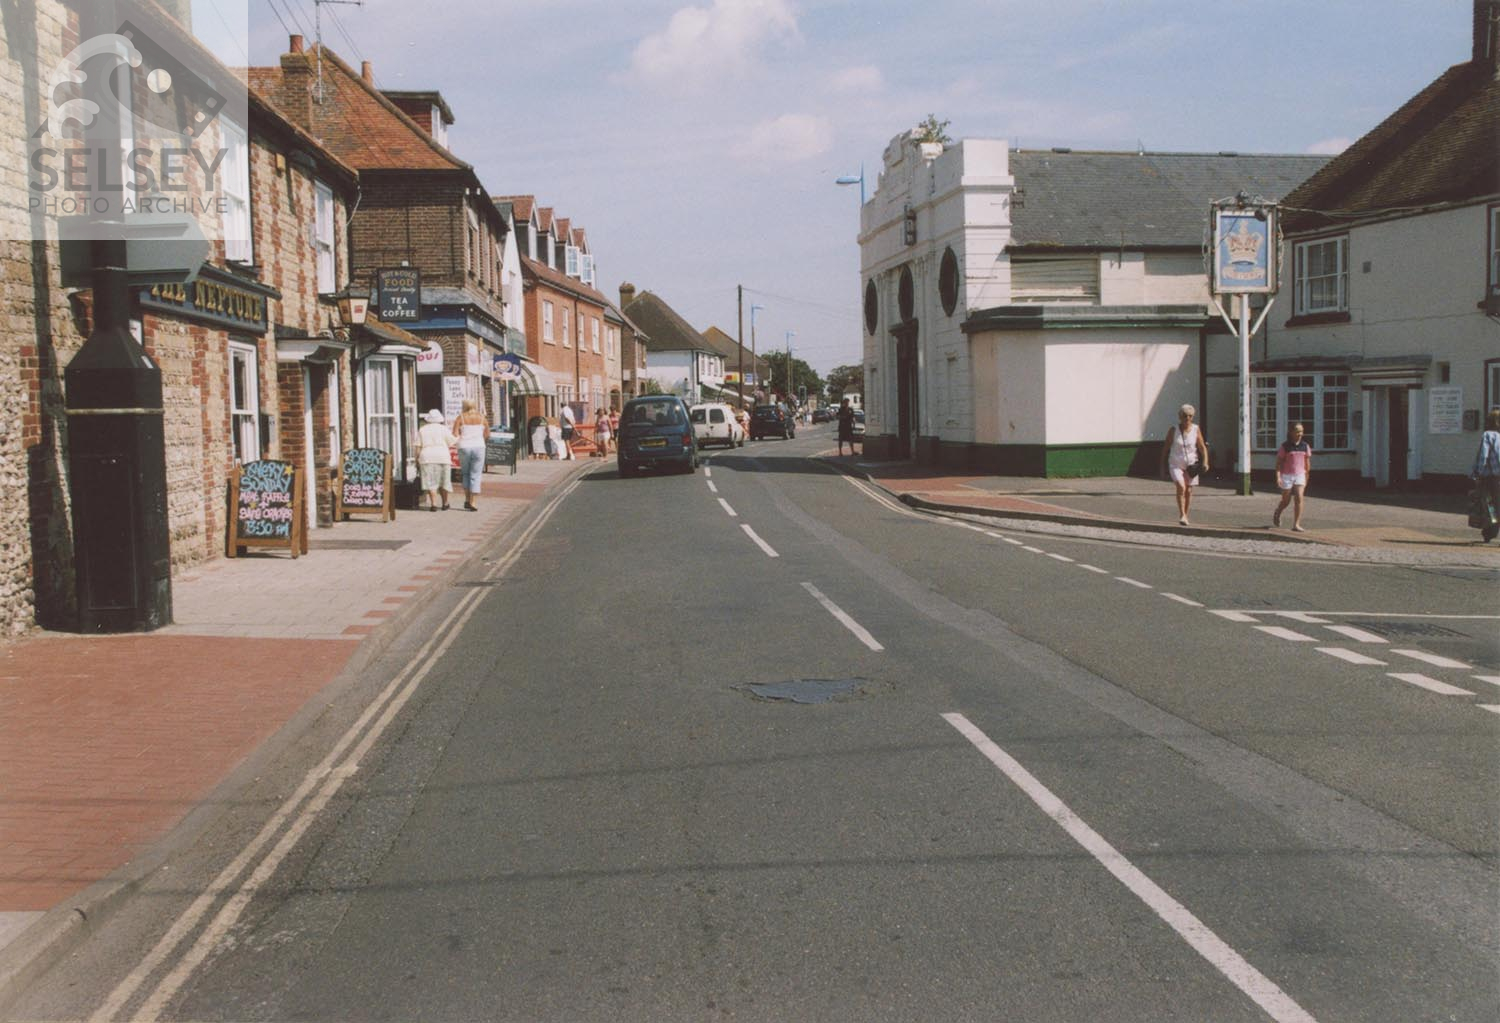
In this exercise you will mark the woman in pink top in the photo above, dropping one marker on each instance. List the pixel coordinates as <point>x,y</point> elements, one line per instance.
<point>1293,466</point>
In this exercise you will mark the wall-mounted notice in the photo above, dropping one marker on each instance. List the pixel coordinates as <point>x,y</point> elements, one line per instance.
<point>363,485</point>
<point>1445,410</point>
<point>266,508</point>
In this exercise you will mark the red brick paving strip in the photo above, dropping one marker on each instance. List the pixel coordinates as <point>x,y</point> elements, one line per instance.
<point>105,743</point>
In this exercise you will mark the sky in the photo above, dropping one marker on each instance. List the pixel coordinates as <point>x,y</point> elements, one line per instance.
<point>698,141</point>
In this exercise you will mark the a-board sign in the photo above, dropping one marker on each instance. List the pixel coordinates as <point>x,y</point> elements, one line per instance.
<point>500,449</point>
<point>362,485</point>
<point>265,506</point>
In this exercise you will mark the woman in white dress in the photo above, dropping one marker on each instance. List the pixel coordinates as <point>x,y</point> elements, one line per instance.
<point>1185,449</point>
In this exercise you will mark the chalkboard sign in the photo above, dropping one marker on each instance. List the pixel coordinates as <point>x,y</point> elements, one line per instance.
<point>362,485</point>
<point>500,449</point>
<point>266,508</point>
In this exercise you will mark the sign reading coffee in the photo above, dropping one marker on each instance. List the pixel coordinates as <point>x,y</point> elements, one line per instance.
<point>215,297</point>
<point>266,508</point>
<point>400,292</point>
<point>363,484</point>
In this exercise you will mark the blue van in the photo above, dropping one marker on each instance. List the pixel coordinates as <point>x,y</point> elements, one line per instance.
<point>654,432</point>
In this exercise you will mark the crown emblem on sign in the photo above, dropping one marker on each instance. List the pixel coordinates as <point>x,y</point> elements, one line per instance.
<point>1243,246</point>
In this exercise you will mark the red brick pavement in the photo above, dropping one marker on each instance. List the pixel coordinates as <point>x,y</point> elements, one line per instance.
<point>107,742</point>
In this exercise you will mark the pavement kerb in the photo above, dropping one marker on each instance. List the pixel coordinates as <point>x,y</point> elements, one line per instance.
<point>61,930</point>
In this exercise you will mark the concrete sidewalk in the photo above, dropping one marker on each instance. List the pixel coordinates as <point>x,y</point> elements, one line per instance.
<point>1360,525</point>
<point>108,742</point>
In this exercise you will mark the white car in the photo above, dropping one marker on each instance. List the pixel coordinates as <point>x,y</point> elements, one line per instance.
<point>715,423</point>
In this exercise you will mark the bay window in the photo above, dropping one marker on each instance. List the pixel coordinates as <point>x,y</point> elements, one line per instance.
<point>382,405</point>
<point>1319,401</point>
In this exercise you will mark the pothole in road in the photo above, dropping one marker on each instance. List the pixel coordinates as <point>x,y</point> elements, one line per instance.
<point>809,690</point>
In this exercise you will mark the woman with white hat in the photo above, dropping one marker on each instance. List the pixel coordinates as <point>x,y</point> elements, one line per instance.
<point>433,460</point>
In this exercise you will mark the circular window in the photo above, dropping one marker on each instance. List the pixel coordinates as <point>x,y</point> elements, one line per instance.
<point>872,307</point>
<point>948,281</point>
<point>906,296</point>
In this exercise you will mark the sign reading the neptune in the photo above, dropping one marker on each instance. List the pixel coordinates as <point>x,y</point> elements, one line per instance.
<point>1244,251</point>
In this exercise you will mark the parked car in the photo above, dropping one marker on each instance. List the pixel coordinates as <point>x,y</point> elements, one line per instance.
<point>822,415</point>
<point>715,423</point>
<point>655,432</point>
<point>772,420</point>
<point>859,422</point>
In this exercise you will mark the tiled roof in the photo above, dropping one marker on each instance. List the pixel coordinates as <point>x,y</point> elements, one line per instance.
<point>544,218</point>
<point>668,332</point>
<point>354,120</point>
<point>564,228</point>
<point>1441,146</point>
<point>580,239</point>
<point>559,280</point>
<point>1136,200</point>
<point>330,161</point>
<point>524,205</point>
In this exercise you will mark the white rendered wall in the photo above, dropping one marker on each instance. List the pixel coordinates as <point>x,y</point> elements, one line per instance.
<point>1102,391</point>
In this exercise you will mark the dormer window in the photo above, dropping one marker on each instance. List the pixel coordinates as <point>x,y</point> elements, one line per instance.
<point>439,128</point>
<point>572,264</point>
<point>586,269</point>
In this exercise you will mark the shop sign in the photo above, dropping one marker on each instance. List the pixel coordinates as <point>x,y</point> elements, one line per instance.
<point>430,361</point>
<point>455,390</point>
<point>507,367</point>
<point>1244,251</point>
<point>400,292</point>
<point>214,298</point>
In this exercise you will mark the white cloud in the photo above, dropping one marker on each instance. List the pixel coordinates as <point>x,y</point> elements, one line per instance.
<point>702,40</point>
<point>1331,147</point>
<point>788,138</point>
<point>865,78</point>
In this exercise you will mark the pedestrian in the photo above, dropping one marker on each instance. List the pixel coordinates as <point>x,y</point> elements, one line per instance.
<point>614,426</point>
<point>434,460</point>
<point>471,430</point>
<point>569,424</point>
<point>1486,477</point>
<point>601,434</point>
<point>1293,467</point>
<point>557,447</point>
<point>1184,458</point>
<point>536,430</point>
<point>846,427</point>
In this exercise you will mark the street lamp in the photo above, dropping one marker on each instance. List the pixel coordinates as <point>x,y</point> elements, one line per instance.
<point>850,179</point>
<point>789,335</point>
<point>754,359</point>
<point>351,308</point>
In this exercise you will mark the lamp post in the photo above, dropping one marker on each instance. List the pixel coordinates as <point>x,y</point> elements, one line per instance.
<point>850,179</point>
<point>754,358</point>
<point>789,335</point>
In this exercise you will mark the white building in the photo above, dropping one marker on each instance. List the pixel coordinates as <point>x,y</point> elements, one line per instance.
<point>1044,312</point>
<point>1386,343</point>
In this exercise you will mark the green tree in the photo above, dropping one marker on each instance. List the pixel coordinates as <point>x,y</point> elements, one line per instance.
<point>802,375</point>
<point>844,380</point>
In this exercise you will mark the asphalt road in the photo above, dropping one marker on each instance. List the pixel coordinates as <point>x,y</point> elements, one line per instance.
<point>1048,780</point>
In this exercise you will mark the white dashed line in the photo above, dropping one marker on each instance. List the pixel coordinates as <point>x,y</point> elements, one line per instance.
<point>849,623</point>
<point>1358,635</point>
<point>1182,600</point>
<point>1303,617</point>
<point>1493,708</point>
<point>758,541</point>
<point>1134,582</point>
<point>1433,659</point>
<point>1013,542</point>
<point>708,470</point>
<point>1061,557</point>
<point>732,513</point>
<point>1348,655</point>
<point>1429,683</point>
<point>712,488</point>
<point>1093,568</point>
<point>1033,550</point>
<point>1283,633</point>
<point>1234,616</point>
<point>1493,680</point>
<point>1276,1003</point>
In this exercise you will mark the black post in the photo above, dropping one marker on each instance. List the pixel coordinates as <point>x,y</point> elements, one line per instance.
<point>741,341</point>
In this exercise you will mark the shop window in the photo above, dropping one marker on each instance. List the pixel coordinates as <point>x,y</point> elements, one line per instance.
<point>244,402</point>
<point>1319,401</point>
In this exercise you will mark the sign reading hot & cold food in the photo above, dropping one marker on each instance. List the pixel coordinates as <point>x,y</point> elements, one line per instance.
<point>400,294</point>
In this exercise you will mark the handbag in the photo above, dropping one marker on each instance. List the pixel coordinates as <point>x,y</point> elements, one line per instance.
<point>1481,513</point>
<point>1197,469</point>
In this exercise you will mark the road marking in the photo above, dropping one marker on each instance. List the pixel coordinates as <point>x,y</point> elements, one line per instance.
<point>849,623</point>
<point>302,807</point>
<point>1094,568</point>
<point>1493,708</point>
<point>712,488</point>
<point>1134,582</point>
<point>1433,659</point>
<point>1061,557</point>
<point>732,513</point>
<point>1429,683</point>
<point>1234,616</point>
<point>1348,655</point>
<point>1205,942</point>
<point>1182,600</point>
<point>1283,633</point>
<point>1493,680</point>
<point>1012,541</point>
<point>759,542</point>
<point>708,471</point>
<point>1303,617</point>
<point>1358,635</point>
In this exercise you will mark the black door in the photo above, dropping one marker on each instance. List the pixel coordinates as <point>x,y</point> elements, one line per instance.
<point>1398,446</point>
<point>906,389</point>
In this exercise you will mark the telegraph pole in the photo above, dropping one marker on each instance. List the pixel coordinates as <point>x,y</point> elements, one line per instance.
<point>741,339</point>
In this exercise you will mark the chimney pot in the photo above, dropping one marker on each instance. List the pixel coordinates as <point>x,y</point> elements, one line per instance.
<point>367,72</point>
<point>627,294</point>
<point>296,43</point>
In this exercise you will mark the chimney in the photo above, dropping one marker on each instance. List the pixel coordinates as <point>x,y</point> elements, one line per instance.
<point>367,72</point>
<point>295,45</point>
<point>627,295</point>
<point>1486,30</point>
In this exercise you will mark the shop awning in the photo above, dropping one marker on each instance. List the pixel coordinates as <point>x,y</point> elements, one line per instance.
<point>534,380</point>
